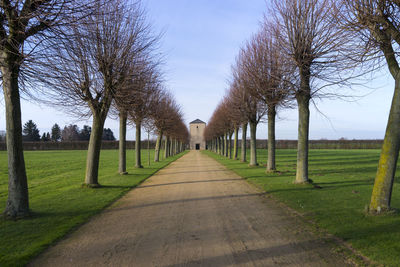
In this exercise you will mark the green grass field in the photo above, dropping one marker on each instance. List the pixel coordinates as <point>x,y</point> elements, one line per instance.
<point>57,200</point>
<point>346,178</point>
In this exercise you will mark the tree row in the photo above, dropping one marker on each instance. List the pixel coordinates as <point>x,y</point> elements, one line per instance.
<point>91,58</point>
<point>304,51</point>
<point>69,133</point>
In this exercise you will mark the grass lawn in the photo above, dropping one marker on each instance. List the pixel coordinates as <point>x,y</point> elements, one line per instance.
<point>346,178</point>
<point>57,200</point>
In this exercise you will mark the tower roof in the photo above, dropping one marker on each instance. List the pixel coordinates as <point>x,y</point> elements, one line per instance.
<point>197,121</point>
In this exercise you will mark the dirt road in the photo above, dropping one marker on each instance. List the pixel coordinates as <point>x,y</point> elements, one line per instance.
<point>193,213</point>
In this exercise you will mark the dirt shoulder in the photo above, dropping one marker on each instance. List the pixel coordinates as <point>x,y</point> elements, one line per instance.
<point>194,212</point>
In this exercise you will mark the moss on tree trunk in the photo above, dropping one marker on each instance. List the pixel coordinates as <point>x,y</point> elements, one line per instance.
<point>382,190</point>
<point>18,199</point>
<point>122,143</point>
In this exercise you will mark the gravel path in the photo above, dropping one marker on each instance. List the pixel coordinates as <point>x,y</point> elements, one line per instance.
<point>195,212</point>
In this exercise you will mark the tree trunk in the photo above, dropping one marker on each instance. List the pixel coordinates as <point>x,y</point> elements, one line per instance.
<point>158,147</point>
<point>166,147</point>
<point>253,144</point>
<point>170,153</point>
<point>172,147</point>
<point>382,190</point>
<point>222,146</point>
<point>271,139</point>
<point>138,145</point>
<point>303,100</point>
<point>93,154</point>
<point>18,198</point>
<point>148,148</point>
<point>226,145</point>
<point>230,145</point>
<point>122,143</point>
<point>244,140</point>
<point>235,144</point>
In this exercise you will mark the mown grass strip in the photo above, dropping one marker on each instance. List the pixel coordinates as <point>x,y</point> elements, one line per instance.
<point>57,200</point>
<point>345,179</point>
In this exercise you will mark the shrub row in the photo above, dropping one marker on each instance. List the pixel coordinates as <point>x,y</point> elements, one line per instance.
<point>262,144</point>
<point>76,145</point>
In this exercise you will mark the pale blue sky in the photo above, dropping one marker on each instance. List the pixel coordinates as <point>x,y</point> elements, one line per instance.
<point>201,40</point>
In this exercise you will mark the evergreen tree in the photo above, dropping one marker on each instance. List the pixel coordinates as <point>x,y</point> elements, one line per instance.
<point>45,137</point>
<point>108,135</point>
<point>30,131</point>
<point>84,135</point>
<point>55,133</point>
<point>2,136</point>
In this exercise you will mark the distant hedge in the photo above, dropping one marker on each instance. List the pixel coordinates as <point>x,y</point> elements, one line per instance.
<point>322,144</point>
<point>335,144</point>
<point>325,144</point>
<point>76,145</point>
<point>262,143</point>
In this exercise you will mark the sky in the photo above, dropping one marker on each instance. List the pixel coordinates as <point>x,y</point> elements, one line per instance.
<point>200,42</point>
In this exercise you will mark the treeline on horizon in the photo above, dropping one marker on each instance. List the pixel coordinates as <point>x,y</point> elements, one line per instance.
<point>31,133</point>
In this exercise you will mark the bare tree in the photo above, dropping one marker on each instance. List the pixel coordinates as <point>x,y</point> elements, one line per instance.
<point>125,98</point>
<point>266,67</point>
<point>119,108</point>
<point>251,107</point>
<point>218,127</point>
<point>225,120</point>
<point>309,34</point>
<point>229,114</point>
<point>226,125</point>
<point>235,119</point>
<point>148,125</point>
<point>376,28</point>
<point>163,117</point>
<point>145,96</point>
<point>25,25</point>
<point>175,123</point>
<point>70,133</point>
